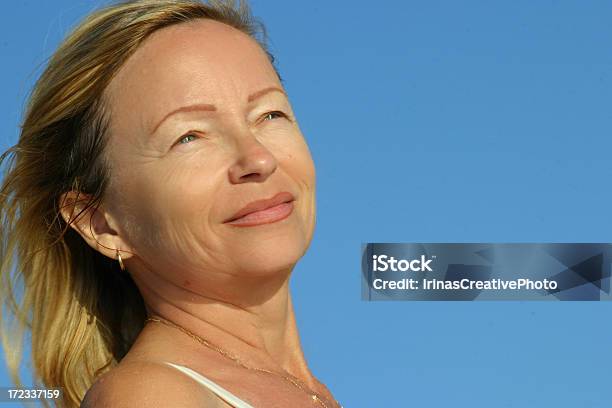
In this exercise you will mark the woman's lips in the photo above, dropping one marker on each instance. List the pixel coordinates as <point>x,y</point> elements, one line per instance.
<point>266,216</point>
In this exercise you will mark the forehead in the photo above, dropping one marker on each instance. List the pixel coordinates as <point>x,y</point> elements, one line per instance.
<point>198,61</point>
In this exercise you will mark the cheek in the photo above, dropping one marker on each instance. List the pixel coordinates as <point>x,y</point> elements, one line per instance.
<point>298,164</point>
<point>304,169</point>
<point>294,155</point>
<point>170,211</point>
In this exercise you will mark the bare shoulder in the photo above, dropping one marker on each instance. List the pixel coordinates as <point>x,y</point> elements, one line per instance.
<point>148,384</point>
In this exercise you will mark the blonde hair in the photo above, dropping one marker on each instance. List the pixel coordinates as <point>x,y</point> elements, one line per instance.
<point>83,312</point>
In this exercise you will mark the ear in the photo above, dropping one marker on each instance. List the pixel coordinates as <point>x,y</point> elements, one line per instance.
<point>95,225</point>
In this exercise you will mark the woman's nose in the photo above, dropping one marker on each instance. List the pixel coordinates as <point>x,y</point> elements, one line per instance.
<point>254,161</point>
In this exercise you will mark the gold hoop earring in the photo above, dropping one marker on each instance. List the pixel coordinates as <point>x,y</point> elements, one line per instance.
<point>120,260</point>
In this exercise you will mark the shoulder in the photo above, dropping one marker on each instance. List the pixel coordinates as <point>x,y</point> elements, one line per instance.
<point>148,384</point>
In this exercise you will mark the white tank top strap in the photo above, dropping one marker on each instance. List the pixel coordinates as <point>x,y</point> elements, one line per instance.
<point>224,394</point>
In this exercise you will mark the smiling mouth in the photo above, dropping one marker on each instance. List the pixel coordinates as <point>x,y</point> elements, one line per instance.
<point>266,216</point>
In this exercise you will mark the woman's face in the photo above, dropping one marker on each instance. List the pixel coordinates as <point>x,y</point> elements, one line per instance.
<point>175,178</point>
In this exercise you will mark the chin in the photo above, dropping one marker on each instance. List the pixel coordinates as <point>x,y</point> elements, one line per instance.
<point>269,255</point>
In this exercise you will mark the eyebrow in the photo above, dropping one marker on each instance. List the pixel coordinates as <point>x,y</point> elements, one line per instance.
<point>210,107</point>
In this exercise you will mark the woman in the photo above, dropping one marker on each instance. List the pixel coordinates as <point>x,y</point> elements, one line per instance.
<point>158,199</point>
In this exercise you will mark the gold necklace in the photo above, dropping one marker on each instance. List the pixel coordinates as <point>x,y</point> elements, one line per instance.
<point>313,395</point>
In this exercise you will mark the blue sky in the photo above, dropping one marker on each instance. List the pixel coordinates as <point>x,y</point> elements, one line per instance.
<point>429,121</point>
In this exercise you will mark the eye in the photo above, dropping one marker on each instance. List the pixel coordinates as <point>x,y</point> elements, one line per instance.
<point>186,138</point>
<point>274,114</point>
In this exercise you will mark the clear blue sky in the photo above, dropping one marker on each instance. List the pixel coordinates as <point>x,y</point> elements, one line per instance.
<point>429,121</point>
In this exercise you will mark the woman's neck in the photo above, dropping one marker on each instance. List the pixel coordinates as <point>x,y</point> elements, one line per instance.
<point>254,320</point>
